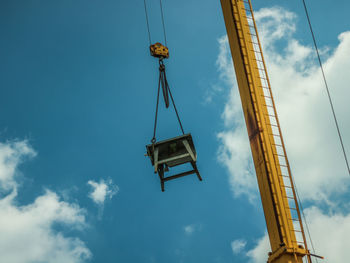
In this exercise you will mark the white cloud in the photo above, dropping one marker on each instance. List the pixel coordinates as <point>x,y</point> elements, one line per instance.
<point>234,151</point>
<point>310,136</point>
<point>307,125</point>
<point>11,155</point>
<point>102,190</point>
<point>305,114</point>
<point>330,234</point>
<point>30,230</point>
<point>259,253</point>
<point>238,245</point>
<point>281,26</point>
<point>190,229</point>
<point>27,233</point>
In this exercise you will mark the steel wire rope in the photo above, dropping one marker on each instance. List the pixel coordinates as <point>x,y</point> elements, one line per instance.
<point>161,11</point>
<point>149,32</point>
<point>156,117</point>
<point>147,22</point>
<point>164,82</point>
<point>326,85</point>
<point>165,89</point>
<point>334,117</point>
<point>333,112</point>
<point>306,224</point>
<point>172,100</point>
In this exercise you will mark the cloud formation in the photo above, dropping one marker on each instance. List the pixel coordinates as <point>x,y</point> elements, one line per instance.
<point>27,232</point>
<point>238,245</point>
<point>309,131</point>
<point>234,150</point>
<point>306,121</point>
<point>330,232</point>
<point>259,254</point>
<point>11,155</point>
<point>190,229</point>
<point>102,190</point>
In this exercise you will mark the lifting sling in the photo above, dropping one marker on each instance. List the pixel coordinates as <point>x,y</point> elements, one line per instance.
<point>174,151</point>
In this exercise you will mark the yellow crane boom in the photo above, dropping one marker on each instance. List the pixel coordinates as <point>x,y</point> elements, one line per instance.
<point>282,214</point>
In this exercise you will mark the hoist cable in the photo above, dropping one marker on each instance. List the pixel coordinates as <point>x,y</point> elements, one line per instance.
<point>147,22</point>
<point>156,117</point>
<point>161,11</point>
<point>177,114</point>
<point>304,217</point>
<point>326,84</point>
<point>163,82</point>
<point>334,116</point>
<point>166,89</point>
<point>149,32</point>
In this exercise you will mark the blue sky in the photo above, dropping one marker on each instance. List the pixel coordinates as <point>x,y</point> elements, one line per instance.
<point>78,91</point>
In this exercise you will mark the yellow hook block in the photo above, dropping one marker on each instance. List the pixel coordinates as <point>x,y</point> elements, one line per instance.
<point>159,51</point>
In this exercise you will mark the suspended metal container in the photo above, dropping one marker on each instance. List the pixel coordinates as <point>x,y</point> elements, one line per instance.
<point>173,152</point>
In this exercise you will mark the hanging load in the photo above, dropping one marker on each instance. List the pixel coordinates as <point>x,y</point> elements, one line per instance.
<point>174,151</point>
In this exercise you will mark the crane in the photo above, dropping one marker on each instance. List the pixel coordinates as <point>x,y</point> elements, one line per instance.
<point>282,214</point>
<point>277,190</point>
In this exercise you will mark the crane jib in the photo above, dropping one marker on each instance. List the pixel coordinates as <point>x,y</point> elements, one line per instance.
<point>276,186</point>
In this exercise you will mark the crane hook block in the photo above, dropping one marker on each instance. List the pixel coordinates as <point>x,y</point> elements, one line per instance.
<point>159,51</point>
<point>173,152</point>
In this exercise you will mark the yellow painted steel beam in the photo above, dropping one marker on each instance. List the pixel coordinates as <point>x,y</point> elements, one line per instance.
<point>244,49</point>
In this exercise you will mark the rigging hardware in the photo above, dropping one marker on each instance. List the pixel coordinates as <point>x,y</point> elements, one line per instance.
<point>159,51</point>
<point>147,22</point>
<point>174,151</point>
